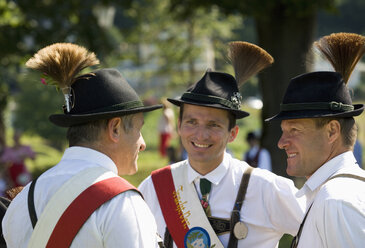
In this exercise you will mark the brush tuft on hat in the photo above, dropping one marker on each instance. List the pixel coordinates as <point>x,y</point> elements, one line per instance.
<point>247,60</point>
<point>343,51</point>
<point>62,62</point>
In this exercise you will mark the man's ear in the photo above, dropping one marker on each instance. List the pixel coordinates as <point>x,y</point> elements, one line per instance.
<point>233,133</point>
<point>333,130</point>
<point>114,128</point>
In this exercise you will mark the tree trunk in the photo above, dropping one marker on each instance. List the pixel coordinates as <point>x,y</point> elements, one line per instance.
<point>3,103</point>
<point>288,40</point>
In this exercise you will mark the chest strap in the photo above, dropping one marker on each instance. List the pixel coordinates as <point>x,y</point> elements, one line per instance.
<point>235,216</point>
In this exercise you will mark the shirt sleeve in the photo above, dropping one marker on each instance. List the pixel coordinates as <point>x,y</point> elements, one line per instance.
<point>285,211</point>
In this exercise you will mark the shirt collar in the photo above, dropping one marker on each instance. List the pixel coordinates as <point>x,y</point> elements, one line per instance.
<point>90,156</point>
<point>324,172</point>
<point>214,176</point>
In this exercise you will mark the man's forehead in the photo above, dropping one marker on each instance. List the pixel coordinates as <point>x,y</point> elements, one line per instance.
<point>196,111</point>
<point>302,122</point>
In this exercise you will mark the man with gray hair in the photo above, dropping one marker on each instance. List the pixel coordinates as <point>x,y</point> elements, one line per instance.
<point>83,201</point>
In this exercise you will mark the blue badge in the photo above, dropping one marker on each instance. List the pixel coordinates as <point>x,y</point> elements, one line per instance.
<point>197,237</point>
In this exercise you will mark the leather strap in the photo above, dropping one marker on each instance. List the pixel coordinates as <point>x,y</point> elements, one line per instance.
<point>220,225</point>
<point>31,208</point>
<point>235,216</point>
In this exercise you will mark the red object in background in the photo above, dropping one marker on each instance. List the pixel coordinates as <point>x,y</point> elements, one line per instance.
<point>164,143</point>
<point>19,174</point>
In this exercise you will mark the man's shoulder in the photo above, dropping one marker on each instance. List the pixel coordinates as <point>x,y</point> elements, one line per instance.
<point>343,189</point>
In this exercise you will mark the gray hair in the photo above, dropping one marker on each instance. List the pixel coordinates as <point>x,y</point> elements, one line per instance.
<point>90,132</point>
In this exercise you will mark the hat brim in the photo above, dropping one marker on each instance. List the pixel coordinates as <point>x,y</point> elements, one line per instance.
<point>238,113</point>
<point>63,120</point>
<point>300,114</point>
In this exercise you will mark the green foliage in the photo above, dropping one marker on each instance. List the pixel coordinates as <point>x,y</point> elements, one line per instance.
<point>254,8</point>
<point>172,49</point>
<point>34,103</point>
<point>10,14</point>
<point>348,16</point>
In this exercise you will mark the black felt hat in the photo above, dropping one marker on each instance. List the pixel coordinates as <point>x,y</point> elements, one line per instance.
<point>99,95</point>
<point>220,90</point>
<point>215,90</point>
<point>317,94</point>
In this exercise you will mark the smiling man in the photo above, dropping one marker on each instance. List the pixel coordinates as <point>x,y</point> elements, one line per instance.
<point>204,197</point>
<point>318,136</point>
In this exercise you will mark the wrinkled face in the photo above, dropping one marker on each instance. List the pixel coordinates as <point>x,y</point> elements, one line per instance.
<point>204,134</point>
<point>130,145</point>
<point>307,146</point>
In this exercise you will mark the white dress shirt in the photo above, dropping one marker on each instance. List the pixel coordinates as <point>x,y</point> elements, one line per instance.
<point>124,221</point>
<point>337,217</point>
<point>270,208</point>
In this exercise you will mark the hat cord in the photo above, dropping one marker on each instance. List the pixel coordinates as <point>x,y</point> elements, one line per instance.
<point>335,106</point>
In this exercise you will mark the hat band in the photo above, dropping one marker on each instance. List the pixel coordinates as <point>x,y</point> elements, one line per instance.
<point>208,99</point>
<point>116,107</point>
<point>335,106</point>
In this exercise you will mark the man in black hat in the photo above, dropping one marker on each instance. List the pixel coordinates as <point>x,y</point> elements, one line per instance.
<point>202,201</point>
<point>83,201</point>
<point>318,135</point>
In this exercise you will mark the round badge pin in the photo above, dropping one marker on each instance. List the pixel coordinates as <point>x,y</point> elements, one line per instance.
<point>196,237</point>
<point>240,230</point>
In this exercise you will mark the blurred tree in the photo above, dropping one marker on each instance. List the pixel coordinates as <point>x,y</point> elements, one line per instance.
<point>34,106</point>
<point>286,29</point>
<point>28,25</point>
<point>348,16</point>
<point>172,50</point>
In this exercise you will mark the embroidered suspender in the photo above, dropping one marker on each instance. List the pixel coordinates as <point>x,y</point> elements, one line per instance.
<point>295,240</point>
<point>169,208</point>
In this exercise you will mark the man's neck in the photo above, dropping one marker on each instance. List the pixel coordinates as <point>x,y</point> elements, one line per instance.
<point>204,168</point>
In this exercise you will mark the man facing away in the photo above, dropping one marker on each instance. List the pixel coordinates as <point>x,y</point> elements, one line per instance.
<point>196,201</point>
<point>318,135</point>
<point>104,117</point>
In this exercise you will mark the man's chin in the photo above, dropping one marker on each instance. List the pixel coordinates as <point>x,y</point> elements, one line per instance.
<point>290,171</point>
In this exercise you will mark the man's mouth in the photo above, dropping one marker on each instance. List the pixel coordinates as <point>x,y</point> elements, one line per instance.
<point>291,155</point>
<point>200,145</point>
